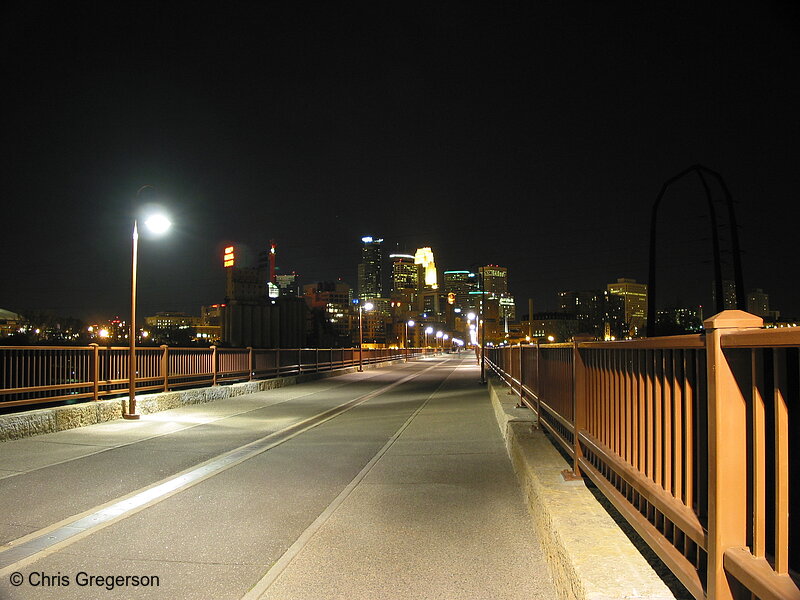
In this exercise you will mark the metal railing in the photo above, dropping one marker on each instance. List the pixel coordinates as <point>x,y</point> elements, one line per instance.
<point>689,437</point>
<point>45,374</point>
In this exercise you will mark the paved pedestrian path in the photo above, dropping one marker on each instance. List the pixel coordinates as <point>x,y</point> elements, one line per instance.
<point>393,483</point>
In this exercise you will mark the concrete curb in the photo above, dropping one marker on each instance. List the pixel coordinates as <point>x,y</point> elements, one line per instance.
<point>589,556</point>
<point>59,418</point>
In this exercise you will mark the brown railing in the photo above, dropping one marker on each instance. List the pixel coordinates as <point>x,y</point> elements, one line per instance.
<point>690,438</point>
<point>39,375</point>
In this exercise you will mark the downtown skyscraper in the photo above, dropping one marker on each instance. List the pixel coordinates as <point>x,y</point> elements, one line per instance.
<point>369,269</point>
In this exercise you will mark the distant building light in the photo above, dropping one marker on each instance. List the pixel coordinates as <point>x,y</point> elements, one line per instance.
<point>227,257</point>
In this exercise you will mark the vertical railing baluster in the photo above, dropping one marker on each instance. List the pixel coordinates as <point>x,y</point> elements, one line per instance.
<point>758,433</point>
<point>781,436</point>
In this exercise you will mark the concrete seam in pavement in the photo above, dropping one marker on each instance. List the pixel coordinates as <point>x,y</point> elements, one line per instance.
<point>260,588</point>
<point>44,542</point>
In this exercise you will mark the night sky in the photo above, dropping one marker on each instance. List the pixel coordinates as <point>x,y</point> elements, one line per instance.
<point>531,135</point>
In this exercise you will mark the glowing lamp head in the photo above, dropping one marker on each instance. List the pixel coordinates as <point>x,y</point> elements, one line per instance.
<point>411,323</point>
<point>550,338</point>
<point>471,316</point>
<point>369,306</point>
<point>439,334</point>
<point>429,330</point>
<point>158,223</point>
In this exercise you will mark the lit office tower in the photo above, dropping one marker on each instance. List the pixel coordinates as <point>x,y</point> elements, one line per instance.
<point>634,296</point>
<point>405,274</point>
<point>728,294</point>
<point>460,284</point>
<point>424,257</point>
<point>758,303</point>
<point>495,279</point>
<point>369,270</point>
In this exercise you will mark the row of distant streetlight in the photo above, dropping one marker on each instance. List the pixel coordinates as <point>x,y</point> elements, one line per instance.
<point>368,306</point>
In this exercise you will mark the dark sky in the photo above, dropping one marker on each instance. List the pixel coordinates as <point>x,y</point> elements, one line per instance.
<point>533,135</point>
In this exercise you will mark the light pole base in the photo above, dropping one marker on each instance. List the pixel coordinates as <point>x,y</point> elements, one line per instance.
<point>131,416</point>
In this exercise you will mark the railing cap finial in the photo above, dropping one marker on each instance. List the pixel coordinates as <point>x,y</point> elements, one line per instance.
<point>733,319</point>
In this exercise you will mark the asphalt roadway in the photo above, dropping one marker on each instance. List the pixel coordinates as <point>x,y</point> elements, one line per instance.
<point>392,483</point>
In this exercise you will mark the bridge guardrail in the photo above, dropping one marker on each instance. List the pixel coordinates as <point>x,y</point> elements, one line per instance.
<point>31,375</point>
<point>689,437</point>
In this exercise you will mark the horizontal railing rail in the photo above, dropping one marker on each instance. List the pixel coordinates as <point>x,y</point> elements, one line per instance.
<point>31,375</point>
<point>690,438</point>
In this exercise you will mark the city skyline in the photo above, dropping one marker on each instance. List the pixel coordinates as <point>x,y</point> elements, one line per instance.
<point>533,137</point>
<point>247,256</point>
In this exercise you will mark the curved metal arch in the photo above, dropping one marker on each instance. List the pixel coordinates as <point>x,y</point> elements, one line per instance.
<point>737,264</point>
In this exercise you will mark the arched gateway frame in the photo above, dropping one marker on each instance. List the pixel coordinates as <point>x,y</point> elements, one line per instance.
<point>701,172</point>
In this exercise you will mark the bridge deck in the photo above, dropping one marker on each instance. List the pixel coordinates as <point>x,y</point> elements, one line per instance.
<point>393,483</point>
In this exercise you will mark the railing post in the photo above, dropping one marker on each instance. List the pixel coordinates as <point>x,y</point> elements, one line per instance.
<point>213,365</point>
<point>578,404</point>
<point>165,366</point>
<point>250,364</point>
<point>277,362</point>
<point>727,450</point>
<point>95,371</point>
<point>520,404</point>
<point>538,388</point>
<point>316,370</point>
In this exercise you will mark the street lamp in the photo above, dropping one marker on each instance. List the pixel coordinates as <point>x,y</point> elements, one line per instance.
<point>157,223</point>
<point>481,324</point>
<point>361,309</point>
<point>409,323</point>
<point>439,335</point>
<point>428,331</point>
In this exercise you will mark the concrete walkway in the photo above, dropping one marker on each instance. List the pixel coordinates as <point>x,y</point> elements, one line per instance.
<point>436,514</point>
<point>408,493</point>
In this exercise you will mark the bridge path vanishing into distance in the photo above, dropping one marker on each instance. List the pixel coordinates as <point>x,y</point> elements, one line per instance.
<point>391,483</point>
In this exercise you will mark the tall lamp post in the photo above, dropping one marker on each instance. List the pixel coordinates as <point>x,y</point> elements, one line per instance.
<point>428,331</point>
<point>361,309</point>
<point>409,323</point>
<point>439,335</point>
<point>482,325</point>
<point>157,223</point>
